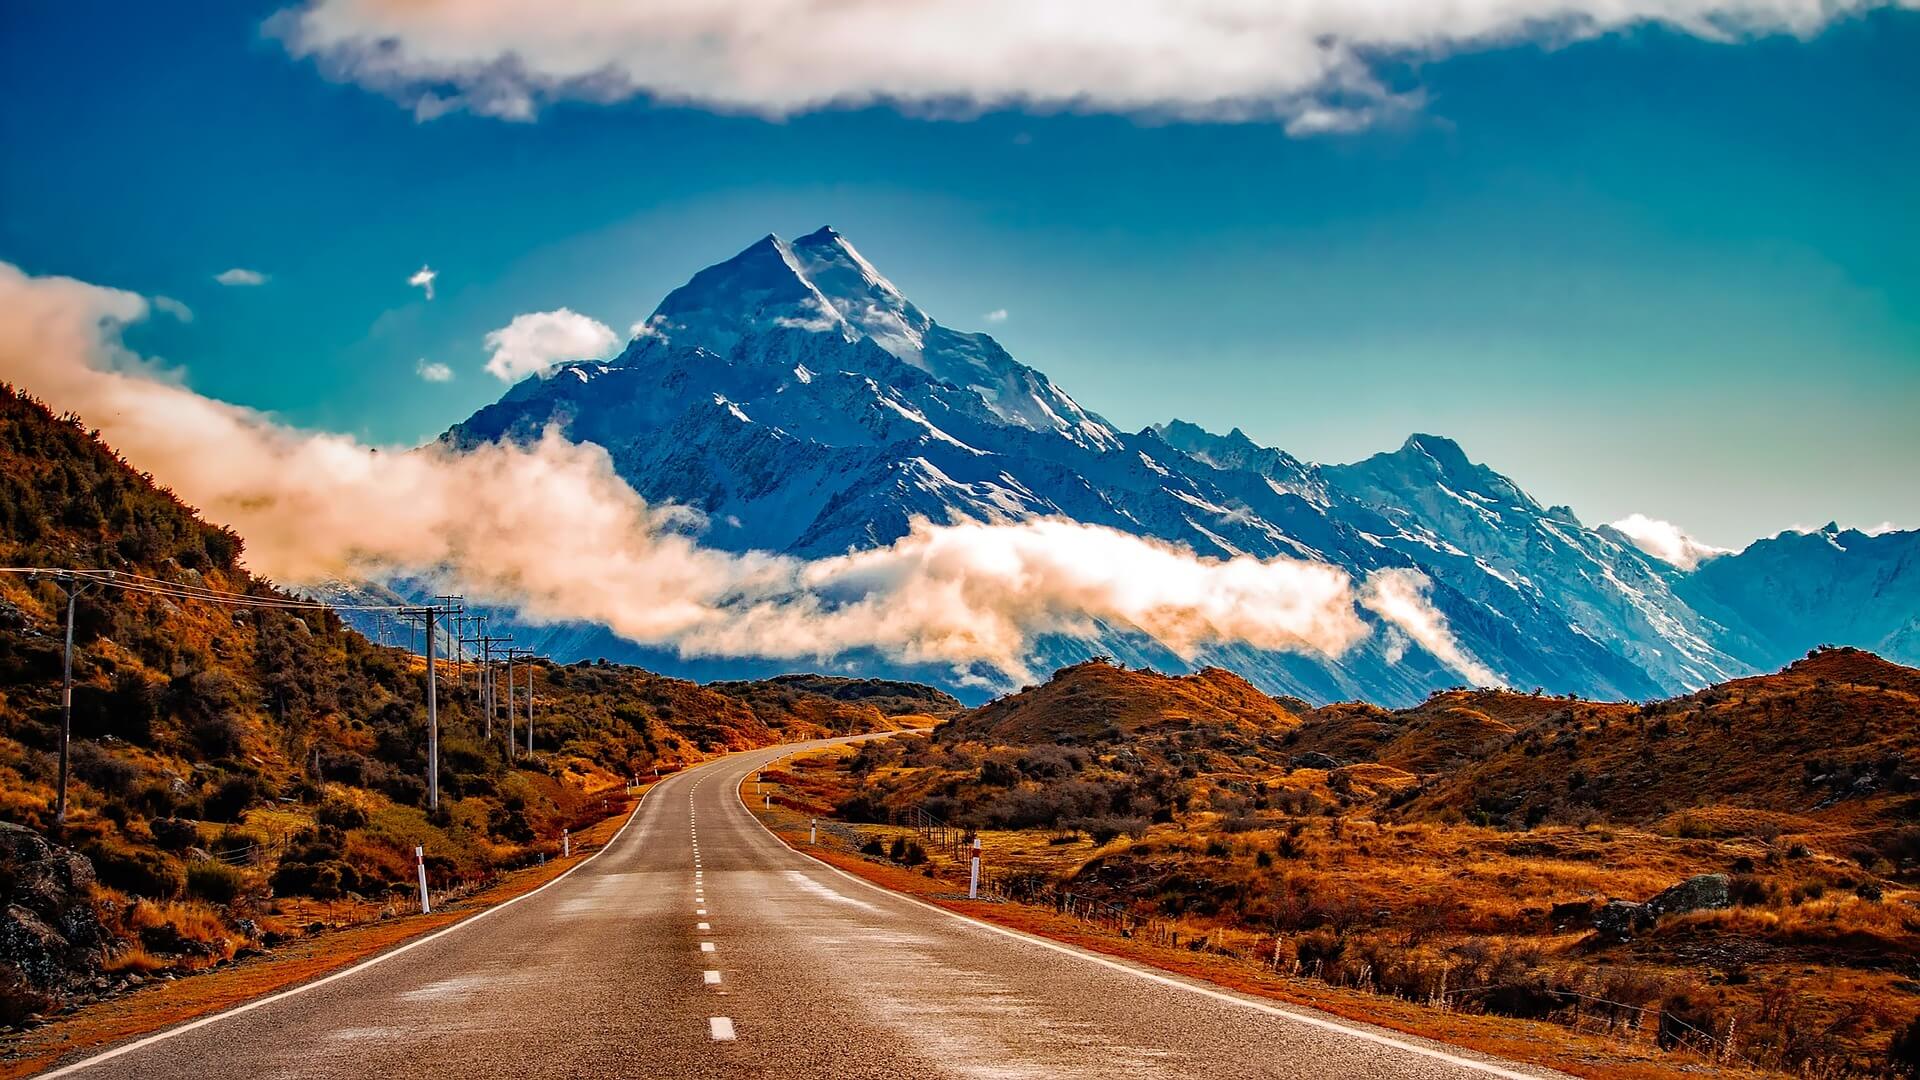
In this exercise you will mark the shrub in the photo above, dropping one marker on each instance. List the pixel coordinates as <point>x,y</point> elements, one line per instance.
<point>215,882</point>
<point>174,834</point>
<point>1903,1056</point>
<point>229,801</point>
<point>343,815</point>
<point>143,873</point>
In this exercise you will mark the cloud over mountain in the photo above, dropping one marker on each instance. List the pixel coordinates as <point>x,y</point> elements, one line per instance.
<point>534,342</point>
<point>548,528</point>
<point>1666,541</point>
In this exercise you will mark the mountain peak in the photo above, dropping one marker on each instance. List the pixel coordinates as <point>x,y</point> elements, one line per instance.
<point>825,234</point>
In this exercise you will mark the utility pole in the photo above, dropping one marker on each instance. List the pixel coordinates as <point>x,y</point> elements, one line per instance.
<point>454,606</point>
<point>510,651</point>
<point>491,694</point>
<point>73,586</point>
<point>512,716</point>
<point>529,706</point>
<point>433,709</point>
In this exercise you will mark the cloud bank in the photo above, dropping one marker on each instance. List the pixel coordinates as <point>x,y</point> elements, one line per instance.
<point>1666,541</point>
<point>533,343</point>
<point>550,530</point>
<point>1311,63</point>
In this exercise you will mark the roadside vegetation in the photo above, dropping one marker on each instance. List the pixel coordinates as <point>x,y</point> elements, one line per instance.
<point>1727,878</point>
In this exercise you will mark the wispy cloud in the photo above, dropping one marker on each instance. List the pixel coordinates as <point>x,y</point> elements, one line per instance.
<point>173,307</point>
<point>997,315</point>
<point>1316,65</point>
<point>534,342</point>
<point>423,279</point>
<point>433,371</point>
<point>1666,541</point>
<point>240,275</point>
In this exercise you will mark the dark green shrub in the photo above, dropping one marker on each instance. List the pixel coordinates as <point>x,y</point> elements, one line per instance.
<point>215,882</point>
<point>143,873</point>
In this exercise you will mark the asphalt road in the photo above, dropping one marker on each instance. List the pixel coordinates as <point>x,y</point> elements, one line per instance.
<point>698,945</point>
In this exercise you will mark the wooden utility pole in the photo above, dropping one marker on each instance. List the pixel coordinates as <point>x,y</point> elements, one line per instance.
<point>73,586</point>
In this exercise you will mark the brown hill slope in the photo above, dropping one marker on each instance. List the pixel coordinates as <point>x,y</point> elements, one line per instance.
<point>1098,701</point>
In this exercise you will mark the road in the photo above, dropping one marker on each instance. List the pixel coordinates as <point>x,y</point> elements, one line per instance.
<point>698,945</point>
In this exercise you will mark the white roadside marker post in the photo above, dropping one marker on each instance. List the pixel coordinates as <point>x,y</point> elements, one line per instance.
<point>813,830</point>
<point>566,842</point>
<point>973,883</point>
<point>766,802</point>
<point>420,862</point>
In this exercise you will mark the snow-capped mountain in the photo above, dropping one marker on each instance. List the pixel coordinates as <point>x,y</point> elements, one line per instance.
<point>796,397</point>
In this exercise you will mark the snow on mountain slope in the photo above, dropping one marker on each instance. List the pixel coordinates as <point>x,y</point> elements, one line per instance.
<point>798,400</point>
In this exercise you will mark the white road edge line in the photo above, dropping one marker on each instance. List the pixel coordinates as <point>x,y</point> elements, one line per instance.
<point>1165,980</point>
<point>194,1025</point>
<point>720,1028</point>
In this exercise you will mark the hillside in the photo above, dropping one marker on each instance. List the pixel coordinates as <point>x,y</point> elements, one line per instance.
<point>235,765</point>
<point>1507,847</point>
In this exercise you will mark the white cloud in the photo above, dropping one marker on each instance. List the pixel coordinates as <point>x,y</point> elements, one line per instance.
<point>423,279</point>
<point>1309,63</point>
<point>1666,541</point>
<point>997,315</point>
<point>433,371</point>
<point>534,342</point>
<point>1399,596</point>
<point>173,307</point>
<point>1882,529</point>
<point>550,530</point>
<point>240,275</point>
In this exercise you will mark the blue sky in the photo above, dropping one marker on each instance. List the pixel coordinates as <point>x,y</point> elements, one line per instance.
<point>1641,273</point>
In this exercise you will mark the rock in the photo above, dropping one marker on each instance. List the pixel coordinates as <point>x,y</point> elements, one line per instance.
<point>1313,759</point>
<point>49,929</point>
<point>1700,893</point>
<point>1621,919</point>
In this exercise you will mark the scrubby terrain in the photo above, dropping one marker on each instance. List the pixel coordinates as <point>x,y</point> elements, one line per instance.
<point>1729,874</point>
<point>241,775</point>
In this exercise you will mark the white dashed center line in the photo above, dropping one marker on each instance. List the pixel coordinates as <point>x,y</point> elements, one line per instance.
<point>702,926</point>
<point>711,978</point>
<point>721,1028</point>
<point>706,946</point>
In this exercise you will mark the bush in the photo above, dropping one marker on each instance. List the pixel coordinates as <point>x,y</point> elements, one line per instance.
<point>143,873</point>
<point>1903,1056</point>
<point>215,882</point>
<point>174,834</point>
<point>229,801</point>
<point>340,814</point>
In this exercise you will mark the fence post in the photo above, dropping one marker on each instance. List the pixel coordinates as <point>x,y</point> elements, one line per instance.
<point>973,882</point>
<point>420,863</point>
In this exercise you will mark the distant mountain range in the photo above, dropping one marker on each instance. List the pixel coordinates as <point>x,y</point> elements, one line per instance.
<point>807,407</point>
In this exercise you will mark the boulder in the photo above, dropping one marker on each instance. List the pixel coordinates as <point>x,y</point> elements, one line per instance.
<point>49,930</point>
<point>1700,893</point>
<point>1621,919</point>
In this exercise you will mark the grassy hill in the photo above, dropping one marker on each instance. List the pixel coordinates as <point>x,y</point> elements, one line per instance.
<point>1470,845</point>
<point>234,767</point>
